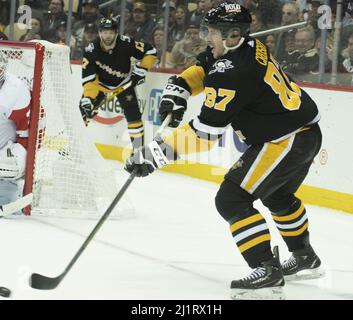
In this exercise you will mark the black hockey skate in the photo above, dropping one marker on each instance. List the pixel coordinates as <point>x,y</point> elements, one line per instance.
<point>265,282</point>
<point>303,264</point>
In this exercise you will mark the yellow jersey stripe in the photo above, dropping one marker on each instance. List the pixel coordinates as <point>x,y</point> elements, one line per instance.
<point>242,223</point>
<point>184,140</point>
<point>290,217</point>
<point>148,62</point>
<point>135,125</point>
<point>254,242</point>
<point>194,76</point>
<point>295,233</point>
<point>267,159</point>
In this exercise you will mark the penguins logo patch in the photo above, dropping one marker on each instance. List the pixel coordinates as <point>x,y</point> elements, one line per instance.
<point>221,66</point>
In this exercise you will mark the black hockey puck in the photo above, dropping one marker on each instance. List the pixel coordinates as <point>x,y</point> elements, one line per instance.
<point>4,292</point>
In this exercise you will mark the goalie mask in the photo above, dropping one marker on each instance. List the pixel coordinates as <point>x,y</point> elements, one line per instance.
<point>3,66</point>
<point>227,18</point>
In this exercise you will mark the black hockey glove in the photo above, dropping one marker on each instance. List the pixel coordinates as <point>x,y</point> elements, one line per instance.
<point>87,109</point>
<point>138,76</point>
<point>174,100</point>
<point>147,159</point>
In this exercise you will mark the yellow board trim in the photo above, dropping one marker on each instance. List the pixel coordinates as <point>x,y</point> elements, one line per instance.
<point>291,217</point>
<point>242,223</point>
<point>254,242</point>
<point>308,194</point>
<point>294,233</point>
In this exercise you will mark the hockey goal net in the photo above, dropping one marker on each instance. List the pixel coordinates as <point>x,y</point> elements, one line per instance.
<point>65,172</point>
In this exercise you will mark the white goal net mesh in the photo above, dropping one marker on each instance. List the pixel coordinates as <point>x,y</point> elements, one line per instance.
<point>70,177</point>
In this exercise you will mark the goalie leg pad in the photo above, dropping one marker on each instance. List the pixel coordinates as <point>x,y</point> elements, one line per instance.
<point>8,191</point>
<point>12,161</point>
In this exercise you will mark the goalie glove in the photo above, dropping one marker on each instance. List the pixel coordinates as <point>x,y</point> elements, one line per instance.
<point>87,109</point>
<point>138,76</point>
<point>174,100</point>
<point>149,158</point>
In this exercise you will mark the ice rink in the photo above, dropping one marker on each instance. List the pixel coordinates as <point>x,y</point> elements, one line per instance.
<point>176,247</point>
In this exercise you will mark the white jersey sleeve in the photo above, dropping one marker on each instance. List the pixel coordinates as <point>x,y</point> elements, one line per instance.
<point>15,103</point>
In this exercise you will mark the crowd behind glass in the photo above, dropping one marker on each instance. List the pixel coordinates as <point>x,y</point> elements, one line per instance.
<point>178,43</point>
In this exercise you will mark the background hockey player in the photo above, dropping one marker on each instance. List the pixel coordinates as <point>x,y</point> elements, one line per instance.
<point>106,66</point>
<point>15,102</point>
<point>246,88</point>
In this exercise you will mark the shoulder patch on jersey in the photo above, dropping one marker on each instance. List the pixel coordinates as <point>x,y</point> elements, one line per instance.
<point>251,43</point>
<point>90,48</point>
<point>125,38</point>
<point>221,66</point>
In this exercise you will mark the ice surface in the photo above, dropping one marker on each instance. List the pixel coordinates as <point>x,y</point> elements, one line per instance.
<point>177,247</point>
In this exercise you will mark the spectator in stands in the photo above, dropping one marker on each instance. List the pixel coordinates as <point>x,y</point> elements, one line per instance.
<point>157,42</point>
<point>142,23</point>
<point>52,19</point>
<point>181,20</point>
<point>346,66</point>
<point>202,8</point>
<point>90,34</point>
<point>37,7</point>
<point>89,14</point>
<point>306,64</point>
<point>348,13</point>
<point>3,36</point>
<point>251,5</point>
<point>174,32</point>
<point>290,15</point>
<point>30,36</point>
<point>184,52</point>
<point>270,12</point>
<point>36,26</point>
<point>61,33</point>
<point>114,9</point>
<point>289,55</point>
<point>35,32</point>
<point>270,42</point>
<point>5,6</point>
<point>257,25</point>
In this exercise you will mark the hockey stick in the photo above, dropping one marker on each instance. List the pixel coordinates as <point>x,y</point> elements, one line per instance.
<point>38,281</point>
<point>116,92</point>
<point>19,204</point>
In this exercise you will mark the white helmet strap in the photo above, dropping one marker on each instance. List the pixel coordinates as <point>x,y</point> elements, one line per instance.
<point>228,49</point>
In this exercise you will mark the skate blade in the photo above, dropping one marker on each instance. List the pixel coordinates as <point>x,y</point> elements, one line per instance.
<point>308,274</point>
<point>273,293</point>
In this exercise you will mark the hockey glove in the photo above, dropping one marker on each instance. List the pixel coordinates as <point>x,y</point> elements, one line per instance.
<point>138,76</point>
<point>147,159</point>
<point>87,109</point>
<point>174,100</point>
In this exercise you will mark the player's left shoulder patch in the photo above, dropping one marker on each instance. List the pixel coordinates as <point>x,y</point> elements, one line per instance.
<point>125,38</point>
<point>221,66</point>
<point>90,48</point>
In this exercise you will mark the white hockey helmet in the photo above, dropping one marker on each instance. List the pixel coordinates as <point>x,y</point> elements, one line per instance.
<point>3,66</point>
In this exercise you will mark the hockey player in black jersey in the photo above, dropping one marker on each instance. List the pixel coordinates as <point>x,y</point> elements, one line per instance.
<point>246,88</point>
<point>106,66</point>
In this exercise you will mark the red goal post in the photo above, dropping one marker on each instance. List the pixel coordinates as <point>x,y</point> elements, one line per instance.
<point>65,171</point>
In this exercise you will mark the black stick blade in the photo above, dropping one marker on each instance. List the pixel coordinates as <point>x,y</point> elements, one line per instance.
<point>37,281</point>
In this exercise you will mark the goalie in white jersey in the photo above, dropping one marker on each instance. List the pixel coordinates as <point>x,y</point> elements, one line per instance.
<point>15,102</point>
